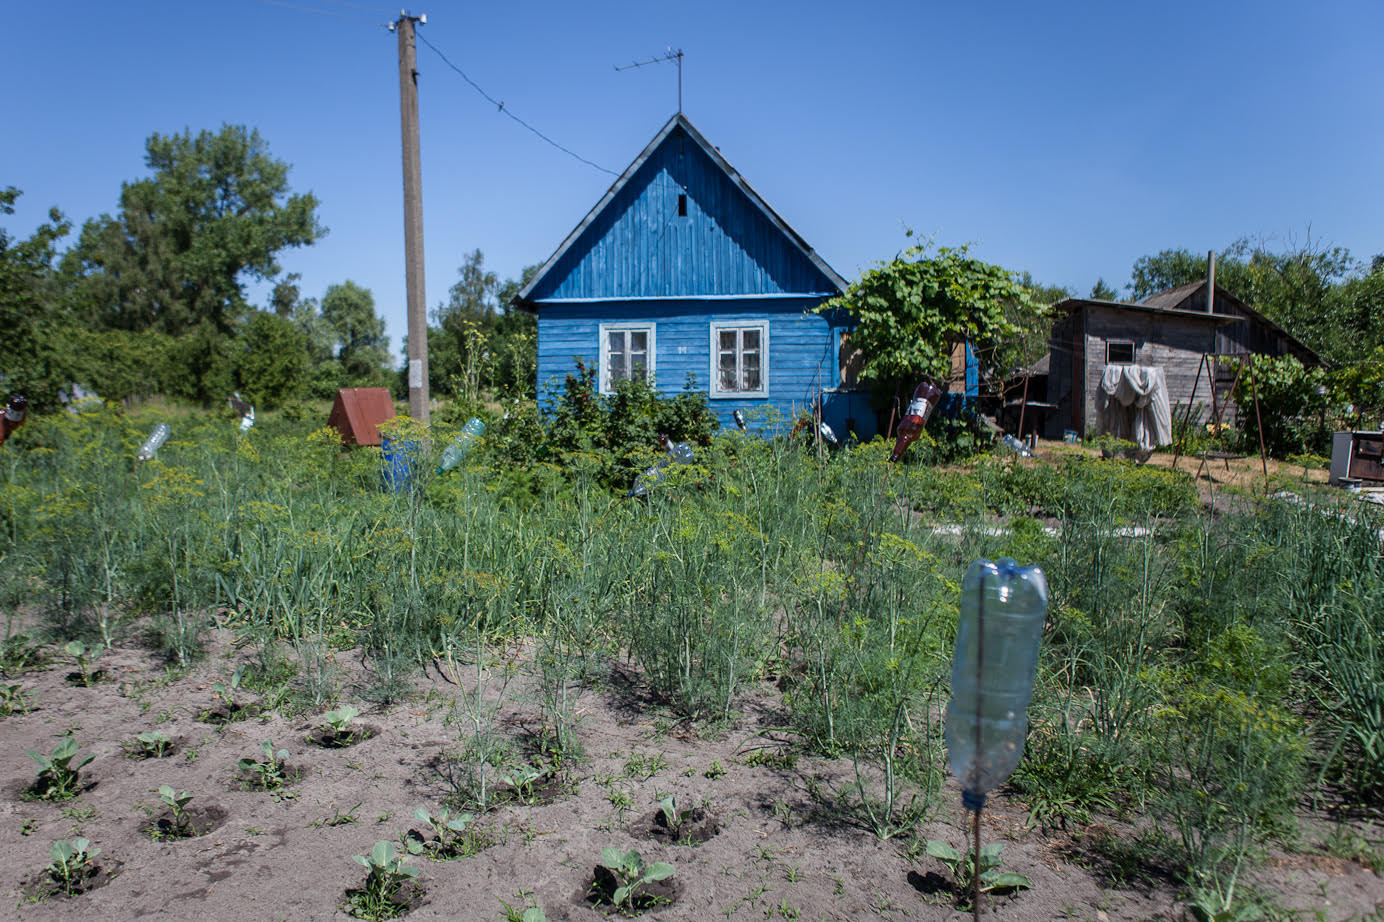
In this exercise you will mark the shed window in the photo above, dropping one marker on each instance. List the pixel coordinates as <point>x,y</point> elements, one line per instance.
<point>627,353</point>
<point>739,360</point>
<point>1119,353</point>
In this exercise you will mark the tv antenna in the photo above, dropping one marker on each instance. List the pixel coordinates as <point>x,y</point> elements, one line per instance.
<point>672,57</point>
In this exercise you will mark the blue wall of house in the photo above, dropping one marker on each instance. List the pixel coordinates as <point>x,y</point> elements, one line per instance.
<point>639,247</point>
<point>801,358</point>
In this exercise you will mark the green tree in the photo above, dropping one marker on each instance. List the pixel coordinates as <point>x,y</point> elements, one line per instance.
<point>272,361</point>
<point>32,356</point>
<point>911,311</point>
<point>348,310</point>
<point>215,213</point>
<point>1103,292</point>
<point>479,340</point>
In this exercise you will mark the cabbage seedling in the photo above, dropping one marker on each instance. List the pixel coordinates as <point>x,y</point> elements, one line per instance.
<point>340,719</point>
<point>269,773</point>
<point>82,655</point>
<point>523,778</point>
<point>673,818</point>
<point>387,873</point>
<point>227,690</point>
<point>631,873</point>
<point>447,833</point>
<point>70,861</point>
<point>963,870</point>
<point>177,802</point>
<point>57,774</point>
<point>154,744</point>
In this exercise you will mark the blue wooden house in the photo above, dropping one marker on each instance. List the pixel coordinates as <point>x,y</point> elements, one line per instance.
<point>682,272</point>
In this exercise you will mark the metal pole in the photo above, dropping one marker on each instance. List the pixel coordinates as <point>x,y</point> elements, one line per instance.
<point>418,397</point>
<point>980,710</point>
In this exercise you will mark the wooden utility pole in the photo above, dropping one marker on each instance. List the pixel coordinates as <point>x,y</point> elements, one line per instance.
<point>413,219</point>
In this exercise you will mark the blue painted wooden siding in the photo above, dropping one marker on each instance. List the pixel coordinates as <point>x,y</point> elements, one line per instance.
<point>801,358</point>
<point>639,247</point>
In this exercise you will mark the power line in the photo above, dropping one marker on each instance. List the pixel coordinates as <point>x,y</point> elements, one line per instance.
<point>501,107</point>
<point>368,9</point>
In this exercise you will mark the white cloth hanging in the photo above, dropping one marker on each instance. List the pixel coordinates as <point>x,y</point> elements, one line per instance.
<point>1132,404</point>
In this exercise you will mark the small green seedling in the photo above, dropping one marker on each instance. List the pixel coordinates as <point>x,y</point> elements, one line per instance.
<point>58,775</point>
<point>631,873</point>
<point>387,873</point>
<point>531,913</point>
<point>962,867</point>
<point>226,690</point>
<point>71,863</point>
<point>83,655</point>
<point>448,834</point>
<point>269,773</point>
<point>13,700</point>
<point>177,802</point>
<point>523,779</point>
<point>340,720</point>
<point>155,744</point>
<point>673,818</point>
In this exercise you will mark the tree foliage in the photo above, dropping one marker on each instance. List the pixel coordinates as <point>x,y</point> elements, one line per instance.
<point>32,359</point>
<point>479,341</point>
<point>1319,294</point>
<point>348,310</point>
<point>215,213</point>
<point>271,366</point>
<point>910,312</point>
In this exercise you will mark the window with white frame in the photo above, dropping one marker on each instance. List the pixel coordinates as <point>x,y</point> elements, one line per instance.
<point>739,359</point>
<point>627,352</point>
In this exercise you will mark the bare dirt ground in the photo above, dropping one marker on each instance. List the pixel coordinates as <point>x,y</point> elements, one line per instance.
<point>776,853</point>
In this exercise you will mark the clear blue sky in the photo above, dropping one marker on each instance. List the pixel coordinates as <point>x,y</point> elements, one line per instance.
<point>1066,139</point>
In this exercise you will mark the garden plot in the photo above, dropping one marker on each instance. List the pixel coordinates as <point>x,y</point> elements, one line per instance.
<point>302,696</point>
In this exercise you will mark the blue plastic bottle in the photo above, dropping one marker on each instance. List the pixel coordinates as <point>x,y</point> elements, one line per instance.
<point>1002,610</point>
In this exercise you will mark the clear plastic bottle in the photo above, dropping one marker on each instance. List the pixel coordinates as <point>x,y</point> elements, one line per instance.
<point>151,445</point>
<point>827,433</point>
<point>1002,610</point>
<point>739,418</point>
<point>454,452</point>
<point>1014,445</point>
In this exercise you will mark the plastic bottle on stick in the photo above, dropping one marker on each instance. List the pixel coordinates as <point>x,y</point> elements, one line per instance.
<point>920,407</point>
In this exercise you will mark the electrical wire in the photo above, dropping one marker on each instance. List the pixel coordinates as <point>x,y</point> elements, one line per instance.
<point>368,9</point>
<point>501,107</point>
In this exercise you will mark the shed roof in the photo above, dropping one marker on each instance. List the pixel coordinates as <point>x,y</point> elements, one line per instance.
<point>358,412</point>
<point>679,122</point>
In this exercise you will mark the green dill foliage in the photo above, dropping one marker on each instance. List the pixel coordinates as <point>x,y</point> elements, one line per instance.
<point>70,864</point>
<point>386,875</point>
<point>268,773</point>
<point>59,772</point>
<point>631,876</point>
<point>962,866</point>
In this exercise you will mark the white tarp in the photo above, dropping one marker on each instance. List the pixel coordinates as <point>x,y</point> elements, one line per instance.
<point>1132,404</point>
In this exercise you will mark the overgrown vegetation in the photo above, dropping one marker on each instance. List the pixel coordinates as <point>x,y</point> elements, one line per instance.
<point>1166,686</point>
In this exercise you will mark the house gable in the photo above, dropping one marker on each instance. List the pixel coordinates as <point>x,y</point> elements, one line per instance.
<point>680,222</point>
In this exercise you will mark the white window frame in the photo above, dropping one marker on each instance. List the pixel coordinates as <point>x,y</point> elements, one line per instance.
<point>715,371</point>
<point>603,337</point>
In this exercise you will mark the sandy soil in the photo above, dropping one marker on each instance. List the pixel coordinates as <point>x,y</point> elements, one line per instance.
<point>775,852</point>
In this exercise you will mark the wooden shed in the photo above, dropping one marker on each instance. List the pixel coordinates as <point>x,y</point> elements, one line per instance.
<point>683,273</point>
<point>358,412</point>
<point>1173,329</point>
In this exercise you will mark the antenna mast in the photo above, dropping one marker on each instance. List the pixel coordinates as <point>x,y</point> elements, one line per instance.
<point>672,57</point>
